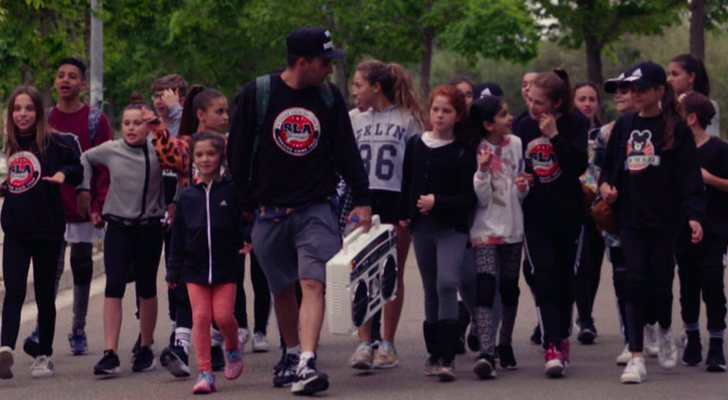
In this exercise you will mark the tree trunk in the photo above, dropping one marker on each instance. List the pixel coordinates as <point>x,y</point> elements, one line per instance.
<point>593,60</point>
<point>428,36</point>
<point>697,29</point>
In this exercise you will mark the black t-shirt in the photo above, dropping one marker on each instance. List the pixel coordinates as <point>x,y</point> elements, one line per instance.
<point>303,143</point>
<point>657,188</point>
<point>713,156</point>
<point>556,164</point>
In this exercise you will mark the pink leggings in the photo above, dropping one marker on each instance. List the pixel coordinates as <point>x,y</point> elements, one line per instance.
<point>212,302</point>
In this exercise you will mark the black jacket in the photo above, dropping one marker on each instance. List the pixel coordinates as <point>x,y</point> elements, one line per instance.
<point>198,208</point>
<point>33,208</point>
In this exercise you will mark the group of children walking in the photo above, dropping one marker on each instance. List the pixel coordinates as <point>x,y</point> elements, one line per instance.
<point>478,192</point>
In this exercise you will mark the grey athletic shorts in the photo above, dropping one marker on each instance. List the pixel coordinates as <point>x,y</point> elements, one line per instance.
<point>298,246</point>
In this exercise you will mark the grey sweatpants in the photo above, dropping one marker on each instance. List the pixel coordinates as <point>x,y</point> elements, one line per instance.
<point>439,250</point>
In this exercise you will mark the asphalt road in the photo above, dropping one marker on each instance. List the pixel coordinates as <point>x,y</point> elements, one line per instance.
<point>592,375</point>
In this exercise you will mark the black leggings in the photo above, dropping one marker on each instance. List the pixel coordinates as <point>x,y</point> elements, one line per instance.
<point>650,269</point>
<point>131,254</point>
<point>619,274</point>
<point>17,254</point>
<point>552,254</point>
<point>700,267</point>
<point>586,281</point>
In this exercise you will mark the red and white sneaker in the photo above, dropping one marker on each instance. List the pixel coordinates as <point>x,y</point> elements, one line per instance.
<point>554,367</point>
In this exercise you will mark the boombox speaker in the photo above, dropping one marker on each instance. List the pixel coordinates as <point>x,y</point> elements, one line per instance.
<point>361,277</point>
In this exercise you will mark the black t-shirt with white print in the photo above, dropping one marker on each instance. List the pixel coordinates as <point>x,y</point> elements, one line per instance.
<point>713,156</point>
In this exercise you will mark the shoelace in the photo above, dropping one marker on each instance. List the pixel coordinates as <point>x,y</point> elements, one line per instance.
<point>233,355</point>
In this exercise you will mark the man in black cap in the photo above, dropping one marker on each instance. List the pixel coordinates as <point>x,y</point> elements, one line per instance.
<point>290,135</point>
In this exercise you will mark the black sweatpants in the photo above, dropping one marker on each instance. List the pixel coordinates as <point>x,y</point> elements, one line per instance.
<point>551,254</point>
<point>700,267</point>
<point>619,275</point>
<point>650,269</point>
<point>586,282</point>
<point>17,254</point>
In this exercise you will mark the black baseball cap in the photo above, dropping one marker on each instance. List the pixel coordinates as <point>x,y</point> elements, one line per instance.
<point>487,89</point>
<point>312,42</point>
<point>611,85</point>
<point>646,75</point>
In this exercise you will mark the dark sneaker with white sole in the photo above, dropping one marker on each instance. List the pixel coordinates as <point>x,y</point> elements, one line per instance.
<point>484,366</point>
<point>109,365</point>
<point>143,361</point>
<point>309,380</point>
<point>176,361</point>
<point>285,372</point>
<point>715,362</point>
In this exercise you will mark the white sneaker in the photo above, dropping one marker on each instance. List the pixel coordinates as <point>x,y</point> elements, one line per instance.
<point>243,336</point>
<point>260,343</point>
<point>624,357</point>
<point>667,355</point>
<point>635,371</point>
<point>7,357</point>
<point>652,345</point>
<point>42,367</point>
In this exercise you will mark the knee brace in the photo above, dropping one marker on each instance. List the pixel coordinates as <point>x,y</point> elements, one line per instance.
<point>509,292</point>
<point>81,263</point>
<point>486,287</point>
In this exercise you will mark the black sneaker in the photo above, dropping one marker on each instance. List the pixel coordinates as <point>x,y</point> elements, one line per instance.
<point>587,333</point>
<point>217,357</point>
<point>506,356</point>
<point>485,366</point>
<point>31,344</point>
<point>176,361</point>
<point>536,336</point>
<point>285,374</point>
<point>309,380</point>
<point>715,361</point>
<point>137,345</point>
<point>693,353</point>
<point>143,360</point>
<point>109,365</point>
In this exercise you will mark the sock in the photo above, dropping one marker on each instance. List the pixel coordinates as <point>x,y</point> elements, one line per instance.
<point>716,334</point>
<point>294,350</point>
<point>692,327</point>
<point>305,356</point>
<point>182,338</point>
<point>217,337</point>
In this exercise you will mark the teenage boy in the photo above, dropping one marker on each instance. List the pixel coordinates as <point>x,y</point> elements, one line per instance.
<point>285,167</point>
<point>92,128</point>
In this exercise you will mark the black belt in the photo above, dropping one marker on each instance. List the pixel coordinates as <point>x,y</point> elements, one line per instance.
<point>132,221</point>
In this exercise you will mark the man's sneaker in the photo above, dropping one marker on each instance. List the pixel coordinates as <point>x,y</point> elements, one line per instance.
<point>176,361</point>
<point>484,366</point>
<point>432,365</point>
<point>554,362</point>
<point>7,357</point>
<point>31,344</point>
<point>42,367</point>
<point>506,357</point>
<point>565,351</point>
<point>667,356</point>
<point>693,353</point>
<point>205,383</point>
<point>217,358</point>
<point>286,373</point>
<point>233,363</point>
<point>715,362</point>
<point>363,357</point>
<point>536,335</point>
<point>386,356</point>
<point>587,333</point>
<point>109,365</point>
<point>260,343</point>
<point>78,342</point>
<point>635,371</point>
<point>143,360</point>
<point>624,357</point>
<point>652,344</point>
<point>309,380</point>
<point>446,372</point>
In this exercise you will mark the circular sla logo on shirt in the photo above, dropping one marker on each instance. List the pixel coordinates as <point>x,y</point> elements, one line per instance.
<point>540,153</point>
<point>296,131</point>
<point>23,172</point>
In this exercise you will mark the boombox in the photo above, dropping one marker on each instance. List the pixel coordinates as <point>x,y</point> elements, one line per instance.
<point>361,277</point>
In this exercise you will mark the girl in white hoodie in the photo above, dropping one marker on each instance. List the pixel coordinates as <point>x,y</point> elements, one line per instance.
<point>497,230</point>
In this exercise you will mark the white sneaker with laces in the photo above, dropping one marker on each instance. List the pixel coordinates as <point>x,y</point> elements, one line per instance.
<point>260,343</point>
<point>42,367</point>
<point>667,355</point>
<point>635,371</point>
<point>243,336</point>
<point>624,357</point>
<point>652,345</point>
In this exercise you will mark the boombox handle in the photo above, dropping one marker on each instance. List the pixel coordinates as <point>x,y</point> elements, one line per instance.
<point>359,230</point>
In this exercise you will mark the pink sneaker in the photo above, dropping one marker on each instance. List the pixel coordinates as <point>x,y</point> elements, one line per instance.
<point>233,363</point>
<point>554,367</point>
<point>565,351</point>
<point>205,383</point>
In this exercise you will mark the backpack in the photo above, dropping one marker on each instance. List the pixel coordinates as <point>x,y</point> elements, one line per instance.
<point>94,117</point>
